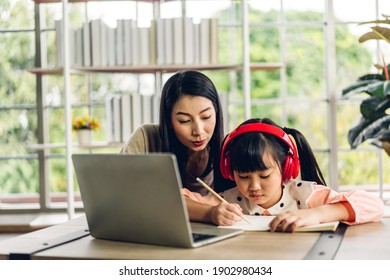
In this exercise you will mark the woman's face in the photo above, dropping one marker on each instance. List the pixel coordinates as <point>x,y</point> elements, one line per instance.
<point>193,120</point>
<point>263,187</point>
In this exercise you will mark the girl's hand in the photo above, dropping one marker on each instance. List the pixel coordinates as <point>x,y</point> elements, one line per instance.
<point>226,214</point>
<point>290,220</point>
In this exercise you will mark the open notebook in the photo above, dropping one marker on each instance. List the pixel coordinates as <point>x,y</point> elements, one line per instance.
<point>260,223</point>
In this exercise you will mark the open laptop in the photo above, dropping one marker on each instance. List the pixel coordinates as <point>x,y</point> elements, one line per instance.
<point>137,198</point>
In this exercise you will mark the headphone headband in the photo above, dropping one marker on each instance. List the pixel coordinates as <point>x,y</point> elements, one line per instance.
<point>290,169</point>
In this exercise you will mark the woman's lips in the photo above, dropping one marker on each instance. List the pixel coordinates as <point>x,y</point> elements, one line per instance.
<point>198,143</point>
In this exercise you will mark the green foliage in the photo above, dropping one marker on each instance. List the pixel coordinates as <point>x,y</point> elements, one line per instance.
<point>374,123</point>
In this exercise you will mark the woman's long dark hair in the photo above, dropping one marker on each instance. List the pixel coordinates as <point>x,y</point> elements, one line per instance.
<point>246,148</point>
<point>192,83</point>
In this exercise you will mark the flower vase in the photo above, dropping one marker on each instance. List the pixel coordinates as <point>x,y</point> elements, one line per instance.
<point>84,136</point>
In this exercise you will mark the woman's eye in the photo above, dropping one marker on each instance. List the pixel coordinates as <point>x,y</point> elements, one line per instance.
<point>206,118</point>
<point>264,177</point>
<point>183,121</point>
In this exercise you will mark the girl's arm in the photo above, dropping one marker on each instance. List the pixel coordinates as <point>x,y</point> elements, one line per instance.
<point>326,205</point>
<point>290,220</point>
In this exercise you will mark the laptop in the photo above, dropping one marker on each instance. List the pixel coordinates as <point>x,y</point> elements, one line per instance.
<point>137,198</point>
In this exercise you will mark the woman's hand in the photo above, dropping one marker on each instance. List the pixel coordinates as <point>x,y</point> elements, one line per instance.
<point>226,214</point>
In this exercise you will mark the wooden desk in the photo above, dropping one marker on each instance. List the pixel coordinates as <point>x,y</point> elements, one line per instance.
<point>368,241</point>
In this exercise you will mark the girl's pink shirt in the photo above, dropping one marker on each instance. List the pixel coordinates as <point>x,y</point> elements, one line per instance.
<point>362,206</point>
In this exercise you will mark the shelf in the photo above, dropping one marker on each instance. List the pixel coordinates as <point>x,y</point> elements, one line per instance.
<point>155,68</point>
<point>266,66</point>
<point>82,1</point>
<point>263,66</point>
<point>50,71</point>
<point>94,145</point>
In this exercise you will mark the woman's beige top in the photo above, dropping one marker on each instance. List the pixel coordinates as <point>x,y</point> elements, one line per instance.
<point>146,139</point>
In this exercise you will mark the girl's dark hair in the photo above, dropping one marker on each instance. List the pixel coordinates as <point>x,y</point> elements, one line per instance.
<point>192,83</point>
<point>246,148</point>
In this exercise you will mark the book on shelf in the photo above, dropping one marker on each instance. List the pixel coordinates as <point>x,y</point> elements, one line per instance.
<point>196,50</point>
<point>116,106</point>
<point>153,43</point>
<point>147,108</point>
<point>188,41</point>
<point>111,48</point>
<point>260,223</point>
<point>86,44</point>
<point>119,39</point>
<point>109,118</point>
<point>213,40</point>
<point>135,44</point>
<point>128,40</point>
<point>143,45</point>
<point>168,40</point>
<point>160,41</point>
<point>178,41</point>
<point>136,110</point>
<point>95,42</point>
<point>126,116</point>
<point>204,36</point>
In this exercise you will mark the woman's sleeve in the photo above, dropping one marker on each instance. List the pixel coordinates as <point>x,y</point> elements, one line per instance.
<point>136,144</point>
<point>362,206</point>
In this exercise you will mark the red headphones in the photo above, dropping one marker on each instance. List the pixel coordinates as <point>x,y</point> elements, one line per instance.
<point>291,165</point>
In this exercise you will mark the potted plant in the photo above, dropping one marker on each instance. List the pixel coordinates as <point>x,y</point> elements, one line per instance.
<point>374,123</point>
<point>84,126</point>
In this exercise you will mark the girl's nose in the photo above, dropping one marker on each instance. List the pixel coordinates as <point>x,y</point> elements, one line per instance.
<point>255,185</point>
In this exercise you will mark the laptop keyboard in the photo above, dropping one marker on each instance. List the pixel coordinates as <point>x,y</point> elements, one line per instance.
<point>201,236</point>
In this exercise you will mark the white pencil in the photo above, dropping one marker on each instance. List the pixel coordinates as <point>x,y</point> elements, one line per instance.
<point>218,196</point>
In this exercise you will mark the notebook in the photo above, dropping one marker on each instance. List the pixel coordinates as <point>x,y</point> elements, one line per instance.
<point>260,223</point>
<point>137,198</point>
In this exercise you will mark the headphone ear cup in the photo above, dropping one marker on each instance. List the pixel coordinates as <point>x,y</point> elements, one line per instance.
<point>226,171</point>
<point>287,168</point>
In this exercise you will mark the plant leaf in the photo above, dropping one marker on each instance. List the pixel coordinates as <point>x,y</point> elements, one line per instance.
<point>358,86</point>
<point>368,129</point>
<point>379,21</point>
<point>377,33</point>
<point>372,108</point>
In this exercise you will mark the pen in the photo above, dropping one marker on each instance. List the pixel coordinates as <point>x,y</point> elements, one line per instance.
<point>218,196</point>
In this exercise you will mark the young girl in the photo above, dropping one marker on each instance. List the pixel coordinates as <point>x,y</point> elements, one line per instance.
<point>264,159</point>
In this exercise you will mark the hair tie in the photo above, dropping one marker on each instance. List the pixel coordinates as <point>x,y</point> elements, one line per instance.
<point>287,130</point>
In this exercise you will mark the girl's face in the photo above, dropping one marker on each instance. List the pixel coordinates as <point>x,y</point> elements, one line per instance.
<point>193,119</point>
<point>261,187</point>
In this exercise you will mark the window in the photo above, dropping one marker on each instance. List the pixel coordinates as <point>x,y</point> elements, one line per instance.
<point>295,80</point>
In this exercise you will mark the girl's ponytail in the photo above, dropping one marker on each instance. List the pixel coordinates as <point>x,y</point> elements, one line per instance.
<point>310,171</point>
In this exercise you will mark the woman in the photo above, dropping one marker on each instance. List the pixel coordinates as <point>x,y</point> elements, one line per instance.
<point>191,127</point>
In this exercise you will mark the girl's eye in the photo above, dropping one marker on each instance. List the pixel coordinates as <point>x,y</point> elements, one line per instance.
<point>206,118</point>
<point>242,176</point>
<point>264,177</point>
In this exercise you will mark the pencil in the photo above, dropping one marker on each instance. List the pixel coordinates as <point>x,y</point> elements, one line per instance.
<point>218,196</point>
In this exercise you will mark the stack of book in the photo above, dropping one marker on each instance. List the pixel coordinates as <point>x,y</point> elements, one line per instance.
<point>167,41</point>
<point>126,112</point>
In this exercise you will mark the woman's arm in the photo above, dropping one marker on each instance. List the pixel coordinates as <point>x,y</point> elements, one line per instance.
<point>209,210</point>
